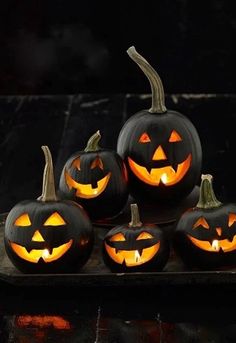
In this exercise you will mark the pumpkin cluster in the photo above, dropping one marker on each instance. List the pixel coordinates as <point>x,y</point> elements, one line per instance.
<point>158,158</point>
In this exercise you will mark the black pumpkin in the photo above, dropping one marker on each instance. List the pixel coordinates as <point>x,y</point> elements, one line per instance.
<point>205,235</point>
<point>161,147</point>
<point>48,235</point>
<point>135,247</point>
<point>97,179</point>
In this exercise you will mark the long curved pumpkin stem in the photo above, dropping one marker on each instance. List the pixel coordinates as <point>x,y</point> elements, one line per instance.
<point>48,191</point>
<point>93,141</point>
<point>135,219</point>
<point>207,197</point>
<point>158,96</point>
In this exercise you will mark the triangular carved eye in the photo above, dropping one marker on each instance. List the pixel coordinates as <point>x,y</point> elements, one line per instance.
<point>144,138</point>
<point>174,137</point>
<point>76,163</point>
<point>55,219</point>
<point>201,222</point>
<point>23,220</point>
<point>232,219</point>
<point>97,163</point>
<point>144,235</point>
<point>118,237</point>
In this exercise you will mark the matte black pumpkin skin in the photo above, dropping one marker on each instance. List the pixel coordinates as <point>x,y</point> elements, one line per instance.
<point>159,128</point>
<point>161,147</point>
<point>77,228</point>
<point>156,263</point>
<point>113,198</point>
<point>219,229</point>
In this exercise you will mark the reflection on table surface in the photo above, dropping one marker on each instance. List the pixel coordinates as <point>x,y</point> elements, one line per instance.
<point>77,327</point>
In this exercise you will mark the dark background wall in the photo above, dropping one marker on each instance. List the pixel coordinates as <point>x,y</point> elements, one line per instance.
<point>69,48</point>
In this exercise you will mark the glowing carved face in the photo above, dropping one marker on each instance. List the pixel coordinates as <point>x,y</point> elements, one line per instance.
<point>87,191</point>
<point>167,175</point>
<point>39,250</point>
<point>119,252</point>
<point>215,243</point>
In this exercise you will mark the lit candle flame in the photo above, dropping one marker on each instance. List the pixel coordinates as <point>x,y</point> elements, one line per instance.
<point>137,256</point>
<point>215,245</point>
<point>164,178</point>
<point>45,253</point>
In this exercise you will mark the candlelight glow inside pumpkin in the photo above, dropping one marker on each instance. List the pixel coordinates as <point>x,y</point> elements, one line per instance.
<point>132,257</point>
<point>47,234</point>
<point>167,175</point>
<point>161,147</point>
<point>87,191</point>
<point>206,234</point>
<point>135,247</point>
<point>96,178</point>
<point>216,244</point>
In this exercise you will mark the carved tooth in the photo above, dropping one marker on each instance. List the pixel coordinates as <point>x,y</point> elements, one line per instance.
<point>175,166</point>
<point>50,250</point>
<point>28,250</point>
<point>140,251</point>
<point>117,250</point>
<point>94,184</point>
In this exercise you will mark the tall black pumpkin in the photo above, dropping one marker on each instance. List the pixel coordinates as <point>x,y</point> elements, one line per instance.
<point>96,178</point>
<point>161,147</point>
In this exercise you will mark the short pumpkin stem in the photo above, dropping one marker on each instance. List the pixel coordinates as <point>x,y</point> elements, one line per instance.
<point>135,219</point>
<point>49,191</point>
<point>158,96</point>
<point>92,144</point>
<point>207,197</point>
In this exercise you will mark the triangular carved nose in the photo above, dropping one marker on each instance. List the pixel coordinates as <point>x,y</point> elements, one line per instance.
<point>219,231</point>
<point>37,237</point>
<point>159,154</point>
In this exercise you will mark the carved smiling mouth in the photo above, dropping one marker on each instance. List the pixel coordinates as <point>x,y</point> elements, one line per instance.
<point>224,245</point>
<point>167,175</point>
<point>132,257</point>
<point>34,255</point>
<point>86,190</point>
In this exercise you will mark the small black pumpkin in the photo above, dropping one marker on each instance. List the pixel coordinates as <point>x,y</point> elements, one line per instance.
<point>97,179</point>
<point>205,235</point>
<point>160,147</point>
<point>135,247</point>
<point>47,235</point>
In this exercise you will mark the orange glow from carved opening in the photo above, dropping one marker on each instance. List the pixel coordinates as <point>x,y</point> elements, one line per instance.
<point>225,245</point>
<point>174,137</point>
<point>201,222</point>
<point>57,322</point>
<point>117,237</point>
<point>144,138</point>
<point>232,219</point>
<point>137,256</point>
<point>215,245</point>
<point>132,258</point>
<point>219,231</point>
<point>154,177</point>
<point>85,190</point>
<point>23,220</point>
<point>97,163</point>
<point>144,235</point>
<point>55,220</point>
<point>76,163</point>
<point>35,254</point>
<point>37,237</point>
<point>159,154</point>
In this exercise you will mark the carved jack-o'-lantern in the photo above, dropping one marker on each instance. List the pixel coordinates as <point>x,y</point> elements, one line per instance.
<point>97,179</point>
<point>160,147</point>
<point>48,235</point>
<point>135,247</point>
<point>206,235</point>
